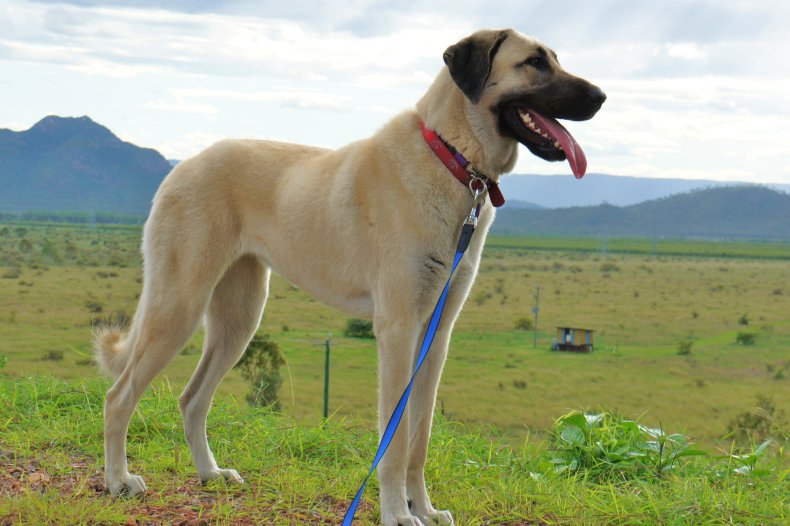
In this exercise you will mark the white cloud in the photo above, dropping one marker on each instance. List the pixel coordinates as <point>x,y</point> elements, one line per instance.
<point>685,50</point>
<point>189,144</point>
<point>685,98</point>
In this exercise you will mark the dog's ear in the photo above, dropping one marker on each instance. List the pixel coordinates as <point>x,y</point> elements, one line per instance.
<point>470,61</point>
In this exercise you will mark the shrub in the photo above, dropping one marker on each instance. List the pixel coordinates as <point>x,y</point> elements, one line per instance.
<point>524,324</point>
<point>764,420</point>
<point>745,338</point>
<point>12,273</point>
<point>94,306</point>
<point>53,356</point>
<point>357,328</point>
<point>260,366</point>
<point>743,320</point>
<point>684,347</point>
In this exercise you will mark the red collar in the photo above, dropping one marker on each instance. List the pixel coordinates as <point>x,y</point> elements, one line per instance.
<point>457,164</point>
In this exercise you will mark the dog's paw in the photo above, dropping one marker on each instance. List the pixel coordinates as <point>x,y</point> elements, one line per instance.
<point>127,484</point>
<point>231,476</point>
<point>409,520</point>
<point>443,517</point>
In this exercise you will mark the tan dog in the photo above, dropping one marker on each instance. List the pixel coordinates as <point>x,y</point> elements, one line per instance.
<point>370,228</point>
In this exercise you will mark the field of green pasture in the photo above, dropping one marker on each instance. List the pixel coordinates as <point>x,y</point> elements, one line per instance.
<point>667,317</point>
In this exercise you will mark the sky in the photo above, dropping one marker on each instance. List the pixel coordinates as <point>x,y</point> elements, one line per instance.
<point>696,89</point>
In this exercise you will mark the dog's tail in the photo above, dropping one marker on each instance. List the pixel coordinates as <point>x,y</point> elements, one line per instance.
<point>111,346</point>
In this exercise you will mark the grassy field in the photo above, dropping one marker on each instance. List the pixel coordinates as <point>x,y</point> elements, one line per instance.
<point>667,317</point>
<point>306,473</point>
<point>54,279</point>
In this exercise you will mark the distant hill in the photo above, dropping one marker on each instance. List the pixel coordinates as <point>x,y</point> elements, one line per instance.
<point>735,212</point>
<point>76,165</point>
<point>515,203</point>
<point>564,191</point>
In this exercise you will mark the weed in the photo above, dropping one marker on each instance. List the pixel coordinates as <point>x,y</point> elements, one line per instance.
<point>743,320</point>
<point>358,328</point>
<point>524,324</point>
<point>606,446</point>
<point>684,346</point>
<point>94,306</point>
<point>758,424</point>
<point>53,355</point>
<point>481,298</point>
<point>189,349</point>
<point>3,361</point>
<point>746,463</point>
<point>520,384</point>
<point>12,273</point>
<point>608,266</point>
<point>745,338</point>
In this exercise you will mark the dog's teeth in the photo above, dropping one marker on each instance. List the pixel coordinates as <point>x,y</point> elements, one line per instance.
<point>557,145</point>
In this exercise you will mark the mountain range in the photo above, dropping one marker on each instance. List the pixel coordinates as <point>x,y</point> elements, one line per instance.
<point>76,165</point>
<point>729,212</point>
<point>564,191</point>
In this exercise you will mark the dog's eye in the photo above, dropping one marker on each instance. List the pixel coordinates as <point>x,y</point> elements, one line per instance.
<point>537,63</point>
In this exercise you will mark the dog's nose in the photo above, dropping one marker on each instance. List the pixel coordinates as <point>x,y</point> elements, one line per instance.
<point>596,96</point>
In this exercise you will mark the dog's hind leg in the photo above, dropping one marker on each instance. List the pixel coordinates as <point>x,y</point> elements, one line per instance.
<point>180,275</point>
<point>166,318</point>
<point>233,315</point>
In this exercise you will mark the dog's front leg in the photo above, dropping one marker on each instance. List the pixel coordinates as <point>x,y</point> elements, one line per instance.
<point>422,404</point>
<point>396,340</point>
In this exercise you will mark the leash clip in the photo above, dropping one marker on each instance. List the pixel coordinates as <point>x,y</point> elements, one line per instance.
<point>479,196</point>
<point>478,182</point>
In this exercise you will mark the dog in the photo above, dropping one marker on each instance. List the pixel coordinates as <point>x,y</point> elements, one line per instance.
<point>370,228</point>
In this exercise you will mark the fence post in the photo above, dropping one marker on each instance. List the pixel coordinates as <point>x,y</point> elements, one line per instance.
<point>326,377</point>
<point>535,310</point>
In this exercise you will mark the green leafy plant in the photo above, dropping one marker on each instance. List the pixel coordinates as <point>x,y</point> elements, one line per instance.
<point>260,366</point>
<point>746,464</point>
<point>605,446</point>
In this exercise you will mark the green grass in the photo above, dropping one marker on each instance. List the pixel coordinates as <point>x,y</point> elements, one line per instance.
<point>658,246</point>
<point>641,307</point>
<point>498,402</point>
<point>306,473</point>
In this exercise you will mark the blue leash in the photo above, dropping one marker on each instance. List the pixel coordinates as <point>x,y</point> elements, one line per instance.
<point>392,426</point>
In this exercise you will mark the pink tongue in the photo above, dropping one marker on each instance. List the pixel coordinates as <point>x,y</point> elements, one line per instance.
<point>557,131</point>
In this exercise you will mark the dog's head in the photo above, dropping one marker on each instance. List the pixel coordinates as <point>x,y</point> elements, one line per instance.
<point>521,83</point>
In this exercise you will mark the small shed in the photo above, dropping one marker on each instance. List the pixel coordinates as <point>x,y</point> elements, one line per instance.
<point>573,339</point>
